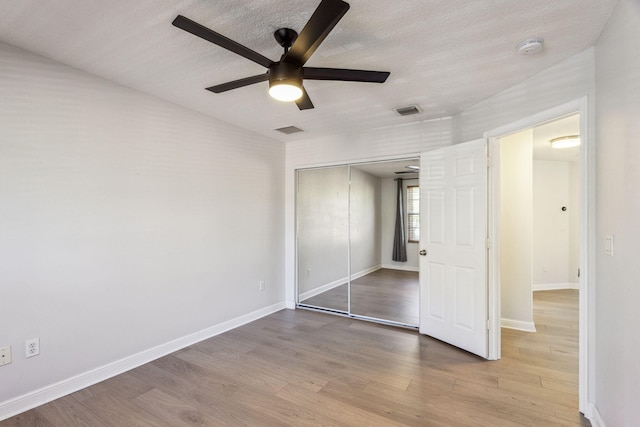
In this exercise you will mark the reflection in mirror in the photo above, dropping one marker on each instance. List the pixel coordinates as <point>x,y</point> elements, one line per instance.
<point>381,287</point>
<point>346,224</point>
<point>322,213</point>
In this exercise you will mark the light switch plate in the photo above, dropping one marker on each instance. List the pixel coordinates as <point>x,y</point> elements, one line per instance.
<point>5,355</point>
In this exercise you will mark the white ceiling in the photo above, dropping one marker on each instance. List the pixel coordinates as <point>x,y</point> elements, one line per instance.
<point>443,55</point>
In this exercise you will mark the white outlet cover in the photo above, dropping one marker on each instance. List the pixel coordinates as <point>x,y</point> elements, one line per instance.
<point>32,347</point>
<point>608,244</point>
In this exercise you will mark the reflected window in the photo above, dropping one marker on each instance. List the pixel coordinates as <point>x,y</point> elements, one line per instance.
<point>413,213</point>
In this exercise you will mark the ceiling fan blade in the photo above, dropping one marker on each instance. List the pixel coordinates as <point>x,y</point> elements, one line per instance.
<point>304,103</point>
<point>196,29</point>
<point>313,73</point>
<point>239,83</point>
<point>325,17</point>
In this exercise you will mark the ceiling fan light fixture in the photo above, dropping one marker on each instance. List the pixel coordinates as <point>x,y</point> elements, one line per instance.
<point>565,141</point>
<point>285,92</point>
<point>285,81</point>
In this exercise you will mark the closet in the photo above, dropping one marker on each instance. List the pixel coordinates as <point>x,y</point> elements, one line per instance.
<point>345,219</point>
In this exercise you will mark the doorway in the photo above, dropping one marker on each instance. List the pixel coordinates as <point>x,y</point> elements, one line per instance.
<point>539,216</point>
<point>583,169</point>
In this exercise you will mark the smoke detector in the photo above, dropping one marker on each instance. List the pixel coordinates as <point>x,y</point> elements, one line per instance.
<point>530,46</point>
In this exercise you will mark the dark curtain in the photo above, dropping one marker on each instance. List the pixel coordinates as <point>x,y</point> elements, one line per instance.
<point>399,244</point>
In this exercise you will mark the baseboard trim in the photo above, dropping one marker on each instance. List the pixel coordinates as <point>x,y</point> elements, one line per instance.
<point>518,325</point>
<point>594,417</point>
<point>336,283</point>
<point>15,406</point>
<point>554,286</point>
<point>400,267</point>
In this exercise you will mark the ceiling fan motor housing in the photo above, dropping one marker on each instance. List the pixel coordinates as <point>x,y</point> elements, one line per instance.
<point>285,73</point>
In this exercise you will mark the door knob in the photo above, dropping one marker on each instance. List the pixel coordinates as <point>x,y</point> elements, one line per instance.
<point>423,252</point>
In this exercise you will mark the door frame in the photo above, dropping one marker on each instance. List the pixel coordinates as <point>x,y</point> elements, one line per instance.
<point>587,233</point>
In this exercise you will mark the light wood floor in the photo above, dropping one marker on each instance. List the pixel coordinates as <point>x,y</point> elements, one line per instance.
<point>384,294</point>
<point>299,367</point>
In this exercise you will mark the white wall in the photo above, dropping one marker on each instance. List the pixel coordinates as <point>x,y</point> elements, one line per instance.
<point>618,212</point>
<point>127,223</point>
<point>516,228</point>
<point>556,248</point>
<point>565,82</point>
<point>389,189</point>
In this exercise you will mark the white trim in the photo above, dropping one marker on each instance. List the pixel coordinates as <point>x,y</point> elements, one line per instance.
<point>594,417</point>
<point>554,286</point>
<point>17,405</point>
<point>587,234</point>
<point>518,325</point>
<point>400,267</point>
<point>336,283</point>
<point>356,162</point>
<point>323,288</point>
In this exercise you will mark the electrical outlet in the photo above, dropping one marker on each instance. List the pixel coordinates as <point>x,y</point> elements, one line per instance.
<point>5,355</point>
<point>261,285</point>
<point>32,347</point>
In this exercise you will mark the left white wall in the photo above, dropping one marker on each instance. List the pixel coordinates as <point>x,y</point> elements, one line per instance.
<point>129,227</point>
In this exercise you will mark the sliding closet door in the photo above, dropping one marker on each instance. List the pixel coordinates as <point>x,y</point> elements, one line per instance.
<point>364,225</point>
<point>322,214</point>
<point>381,289</point>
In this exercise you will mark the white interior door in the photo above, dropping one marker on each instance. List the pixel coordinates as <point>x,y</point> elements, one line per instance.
<point>453,265</point>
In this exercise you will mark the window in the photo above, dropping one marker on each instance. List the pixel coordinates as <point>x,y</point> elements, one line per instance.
<point>413,213</point>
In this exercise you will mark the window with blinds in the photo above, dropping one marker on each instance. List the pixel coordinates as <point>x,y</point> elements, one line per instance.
<point>413,213</point>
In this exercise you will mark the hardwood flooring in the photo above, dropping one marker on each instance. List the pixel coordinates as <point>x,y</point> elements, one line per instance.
<point>299,367</point>
<point>384,294</point>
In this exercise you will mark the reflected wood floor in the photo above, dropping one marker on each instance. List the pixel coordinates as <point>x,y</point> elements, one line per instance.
<point>299,367</point>
<point>385,294</point>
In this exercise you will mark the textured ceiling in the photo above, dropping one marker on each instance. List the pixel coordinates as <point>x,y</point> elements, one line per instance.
<point>443,55</point>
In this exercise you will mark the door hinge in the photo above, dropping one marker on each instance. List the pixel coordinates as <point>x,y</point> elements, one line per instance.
<point>488,325</point>
<point>489,162</point>
<point>488,243</point>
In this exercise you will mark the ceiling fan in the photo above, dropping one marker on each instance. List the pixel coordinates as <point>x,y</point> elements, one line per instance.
<point>286,75</point>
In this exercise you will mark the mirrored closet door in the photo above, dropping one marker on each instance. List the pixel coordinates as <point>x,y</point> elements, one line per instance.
<point>322,214</point>
<point>346,226</point>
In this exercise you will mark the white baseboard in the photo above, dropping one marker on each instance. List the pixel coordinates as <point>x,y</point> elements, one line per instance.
<point>594,417</point>
<point>336,283</point>
<point>400,267</point>
<point>321,289</point>
<point>365,272</point>
<point>554,286</point>
<point>518,325</point>
<point>30,400</point>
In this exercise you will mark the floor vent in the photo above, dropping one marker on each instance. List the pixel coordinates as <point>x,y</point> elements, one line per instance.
<point>289,130</point>
<point>408,110</point>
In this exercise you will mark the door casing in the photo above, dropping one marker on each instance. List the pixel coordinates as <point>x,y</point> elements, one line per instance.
<point>587,232</point>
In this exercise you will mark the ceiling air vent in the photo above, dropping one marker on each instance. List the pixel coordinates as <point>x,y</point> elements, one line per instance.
<point>408,110</point>
<point>288,130</point>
